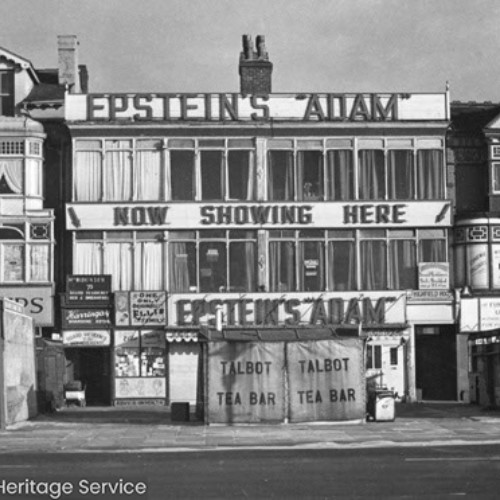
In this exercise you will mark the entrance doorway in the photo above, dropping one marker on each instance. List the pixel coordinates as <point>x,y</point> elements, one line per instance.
<point>92,366</point>
<point>436,362</point>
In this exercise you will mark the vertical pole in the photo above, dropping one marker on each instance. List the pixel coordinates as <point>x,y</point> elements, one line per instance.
<point>3,413</point>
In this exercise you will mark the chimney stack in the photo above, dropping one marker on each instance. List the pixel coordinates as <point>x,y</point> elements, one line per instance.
<point>255,68</point>
<point>68,63</point>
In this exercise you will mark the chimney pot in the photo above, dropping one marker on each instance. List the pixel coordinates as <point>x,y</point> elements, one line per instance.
<point>68,62</point>
<point>255,68</point>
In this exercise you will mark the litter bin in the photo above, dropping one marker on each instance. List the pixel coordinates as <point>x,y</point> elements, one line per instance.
<point>384,406</point>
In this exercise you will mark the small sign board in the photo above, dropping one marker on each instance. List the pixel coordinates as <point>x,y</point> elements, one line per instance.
<point>81,318</point>
<point>148,308</point>
<point>88,289</point>
<point>87,338</point>
<point>434,276</point>
<point>430,296</point>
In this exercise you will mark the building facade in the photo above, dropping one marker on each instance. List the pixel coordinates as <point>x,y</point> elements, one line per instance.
<point>256,210</point>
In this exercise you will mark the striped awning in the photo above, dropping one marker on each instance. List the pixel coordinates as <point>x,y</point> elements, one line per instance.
<point>181,336</point>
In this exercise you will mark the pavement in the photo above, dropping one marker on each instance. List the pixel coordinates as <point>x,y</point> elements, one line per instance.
<point>151,429</point>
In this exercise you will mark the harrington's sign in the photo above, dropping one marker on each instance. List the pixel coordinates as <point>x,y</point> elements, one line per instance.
<point>329,308</point>
<point>327,107</point>
<point>267,215</point>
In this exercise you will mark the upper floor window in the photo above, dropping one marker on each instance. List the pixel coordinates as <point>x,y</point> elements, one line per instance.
<point>6,93</point>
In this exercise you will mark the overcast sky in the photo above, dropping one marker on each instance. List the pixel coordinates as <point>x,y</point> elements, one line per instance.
<point>315,45</point>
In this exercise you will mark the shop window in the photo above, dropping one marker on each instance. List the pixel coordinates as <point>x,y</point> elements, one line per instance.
<point>430,174</point>
<point>340,175</point>
<point>373,357</point>
<point>182,175</point>
<point>371,174</point>
<point>212,175</point>
<point>6,93</point>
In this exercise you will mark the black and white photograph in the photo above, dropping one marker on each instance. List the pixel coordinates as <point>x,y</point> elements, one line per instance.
<point>249,249</point>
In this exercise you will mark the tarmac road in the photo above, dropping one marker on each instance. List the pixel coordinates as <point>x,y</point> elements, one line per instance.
<point>381,473</point>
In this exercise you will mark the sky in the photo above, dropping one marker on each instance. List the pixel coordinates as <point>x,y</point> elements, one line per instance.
<point>314,45</point>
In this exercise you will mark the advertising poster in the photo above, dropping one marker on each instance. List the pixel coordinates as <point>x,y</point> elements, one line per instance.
<point>246,382</point>
<point>477,256</point>
<point>326,380</point>
<point>148,308</point>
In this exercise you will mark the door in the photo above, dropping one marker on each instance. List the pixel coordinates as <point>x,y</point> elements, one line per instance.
<point>436,362</point>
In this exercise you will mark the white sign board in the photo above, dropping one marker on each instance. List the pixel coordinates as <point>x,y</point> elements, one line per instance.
<point>433,276</point>
<point>98,338</point>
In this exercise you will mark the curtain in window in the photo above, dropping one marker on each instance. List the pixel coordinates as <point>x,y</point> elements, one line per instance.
<point>432,251</point>
<point>311,266</point>
<point>430,173</point>
<point>118,263</point>
<point>403,265</point>
<point>182,179</point>
<point>88,258</point>
<point>341,266</point>
<point>400,173</point>
<point>340,175</point>
<point>241,173</point>
<point>309,175</point>
<point>118,185</point>
<point>242,267</point>
<point>147,176</point>
<point>212,177</point>
<point>87,176</point>
<point>282,266</point>
<point>39,263</point>
<point>11,171</point>
<point>371,175</point>
<point>373,265</point>
<point>149,266</point>
<point>182,268</point>
<point>280,176</point>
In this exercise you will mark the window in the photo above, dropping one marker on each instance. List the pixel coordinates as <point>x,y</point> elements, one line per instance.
<point>309,175</point>
<point>281,177</point>
<point>6,93</point>
<point>430,175</point>
<point>212,175</point>
<point>213,261</point>
<point>373,260</point>
<point>400,175</point>
<point>340,175</point>
<point>402,260</point>
<point>371,175</point>
<point>393,353</point>
<point>373,357</point>
<point>341,260</point>
<point>282,262</point>
<point>496,177</point>
<point>182,175</point>
<point>432,245</point>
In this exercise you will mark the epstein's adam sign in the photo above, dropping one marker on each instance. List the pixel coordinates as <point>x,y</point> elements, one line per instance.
<point>327,107</point>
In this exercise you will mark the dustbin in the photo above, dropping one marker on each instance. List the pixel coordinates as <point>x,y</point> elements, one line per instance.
<point>384,406</point>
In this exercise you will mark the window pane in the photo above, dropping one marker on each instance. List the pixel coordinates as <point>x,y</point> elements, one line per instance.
<point>432,251</point>
<point>118,263</point>
<point>182,178</point>
<point>118,176</point>
<point>182,258</point>
<point>149,266</point>
<point>88,258</point>
<point>310,175</point>
<point>242,267</point>
<point>400,172</point>
<point>403,270</point>
<point>311,266</point>
<point>212,267</point>
<point>430,174</point>
<point>341,263</point>
<point>371,175</point>
<point>280,175</point>
<point>394,356</point>
<point>87,180</point>
<point>241,174</point>
<point>13,263</point>
<point>34,177</point>
<point>39,263</point>
<point>378,357</point>
<point>147,176</point>
<point>11,176</point>
<point>212,164</point>
<point>282,266</point>
<point>7,93</point>
<point>373,265</point>
<point>340,175</point>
